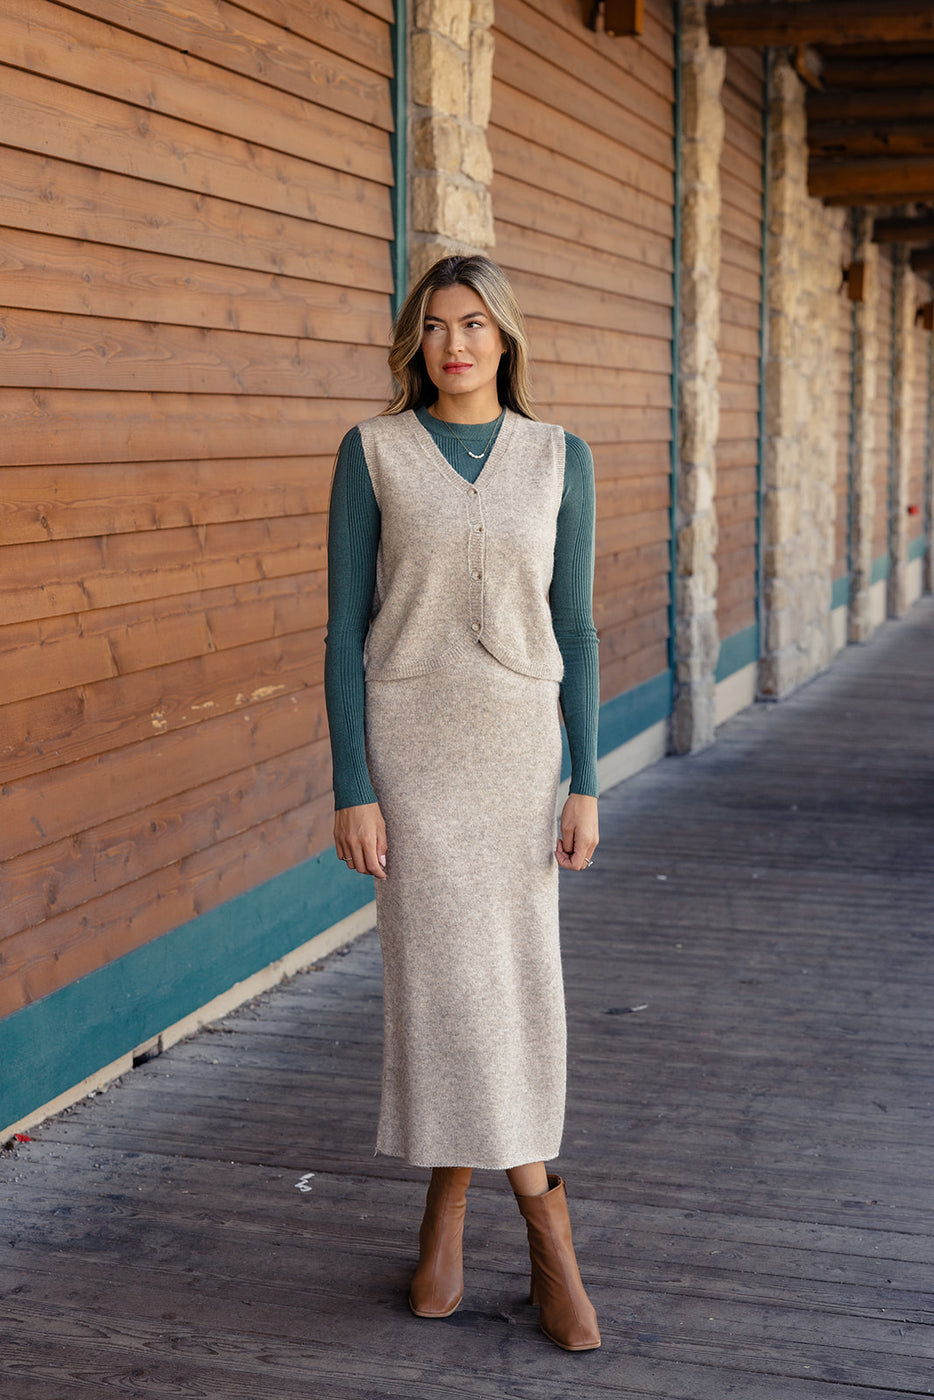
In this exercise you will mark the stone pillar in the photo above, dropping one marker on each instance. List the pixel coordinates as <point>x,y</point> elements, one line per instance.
<point>805,247</point>
<point>451,51</point>
<point>903,377</point>
<point>696,639</point>
<point>864,437</point>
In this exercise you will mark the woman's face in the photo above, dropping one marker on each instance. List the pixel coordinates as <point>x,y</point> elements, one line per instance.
<point>462,344</point>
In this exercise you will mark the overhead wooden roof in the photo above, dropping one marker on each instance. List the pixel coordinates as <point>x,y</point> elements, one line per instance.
<point>869,65</point>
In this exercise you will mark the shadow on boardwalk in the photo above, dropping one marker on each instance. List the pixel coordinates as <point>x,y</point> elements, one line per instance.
<point>749,1140</point>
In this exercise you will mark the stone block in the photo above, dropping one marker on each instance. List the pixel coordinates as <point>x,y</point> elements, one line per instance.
<point>693,719</point>
<point>481,76</point>
<point>782,398</point>
<point>781,334</point>
<point>482,12</point>
<point>782,517</point>
<point>693,595</point>
<point>448,17</point>
<point>696,485</point>
<point>437,144</point>
<point>781,462</point>
<point>459,211</point>
<point>700,163</point>
<point>700,299</point>
<point>439,75</point>
<point>476,161</point>
<point>696,543</point>
<point>697,644</point>
<point>778,674</point>
<point>782,629</point>
<point>697,420</point>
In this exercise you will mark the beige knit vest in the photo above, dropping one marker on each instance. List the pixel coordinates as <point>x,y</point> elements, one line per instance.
<point>458,564</point>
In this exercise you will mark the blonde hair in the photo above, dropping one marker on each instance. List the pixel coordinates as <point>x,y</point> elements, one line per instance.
<point>406,361</point>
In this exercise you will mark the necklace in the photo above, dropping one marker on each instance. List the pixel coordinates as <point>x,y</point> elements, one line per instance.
<point>477,456</point>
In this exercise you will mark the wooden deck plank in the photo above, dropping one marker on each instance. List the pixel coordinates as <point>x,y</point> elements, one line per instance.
<point>747,1156</point>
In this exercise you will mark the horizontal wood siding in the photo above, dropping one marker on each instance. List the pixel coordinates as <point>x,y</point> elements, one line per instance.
<point>920,414</point>
<point>844,397</point>
<point>196,278</point>
<point>582,142</point>
<point>737,495</point>
<point>883,407</point>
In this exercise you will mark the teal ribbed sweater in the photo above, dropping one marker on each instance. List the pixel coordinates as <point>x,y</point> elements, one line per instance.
<point>353,542</point>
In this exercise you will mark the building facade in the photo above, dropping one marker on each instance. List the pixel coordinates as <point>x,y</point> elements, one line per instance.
<point>209,214</point>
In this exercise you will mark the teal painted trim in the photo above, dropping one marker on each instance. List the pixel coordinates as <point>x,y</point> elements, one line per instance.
<point>399,95</point>
<point>763,356</point>
<point>740,650</point>
<point>55,1043</point>
<point>840,593</point>
<point>917,548</point>
<point>880,569</point>
<point>675,348</point>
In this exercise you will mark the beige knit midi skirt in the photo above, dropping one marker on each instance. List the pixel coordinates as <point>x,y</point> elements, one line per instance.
<point>465,762</point>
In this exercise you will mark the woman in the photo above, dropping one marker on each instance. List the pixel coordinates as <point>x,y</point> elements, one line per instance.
<point>461,574</point>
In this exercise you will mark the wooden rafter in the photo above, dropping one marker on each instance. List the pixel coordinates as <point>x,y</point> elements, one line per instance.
<point>890,104</point>
<point>922,260</point>
<point>865,199</point>
<point>884,176</point>
<point>919,230</point>
<point>842,139</point>
<point>881,71</point>
<point>822,22</point>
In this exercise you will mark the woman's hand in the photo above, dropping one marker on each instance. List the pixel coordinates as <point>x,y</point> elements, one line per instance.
<point>360,838</point>
<point>580,832</point>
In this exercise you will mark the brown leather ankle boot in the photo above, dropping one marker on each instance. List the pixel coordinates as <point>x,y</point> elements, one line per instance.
<point>438,1285</point>
<point>566,1315</point>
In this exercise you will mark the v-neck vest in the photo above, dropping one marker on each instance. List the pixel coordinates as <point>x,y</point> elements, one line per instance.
<point>462,565</point>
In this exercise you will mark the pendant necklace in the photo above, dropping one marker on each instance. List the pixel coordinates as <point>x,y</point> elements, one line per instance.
<point>477,456</point>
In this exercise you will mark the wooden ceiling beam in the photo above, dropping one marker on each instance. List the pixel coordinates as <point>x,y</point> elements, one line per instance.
<point>873,176</point>
<point>880,105</point>
<point>920,230</point>
<point>868,199</point>
<point>821,22</point>
<point>891,50</point>
<point>832,139</point>
<point>880,71</point>
<point>922,260</point>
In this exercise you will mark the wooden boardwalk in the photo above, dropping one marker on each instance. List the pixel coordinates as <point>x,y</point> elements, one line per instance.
<point>750,969</point>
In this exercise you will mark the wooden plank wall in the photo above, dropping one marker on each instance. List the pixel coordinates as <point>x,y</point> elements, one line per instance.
<point>844,419</point>
<point>882,412</point>
<point>582,143</point>
<point>737,496</point>
<point>195,266</point>
<point>920,414</point>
